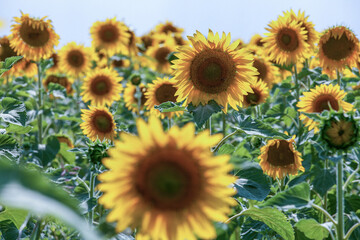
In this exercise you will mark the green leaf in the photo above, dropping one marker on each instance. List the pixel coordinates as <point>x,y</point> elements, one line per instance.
<point>324,180</point>
<point>10,61</point>
<point>312,229</point>
<point>17,216</point>
<point>277,109</point>
<point>2,70</point>
<point>295,197</point>
<point>202,113</point>
<point>171,57</point>
<point>8,230</point>
<point>7,147</point>
<point>13,111</point>
<point>226,149</point>
<point>12,128</point>
<point>275,219</point>
<point>69,157</point>
<point>170,107</point>
<point>46,153</point>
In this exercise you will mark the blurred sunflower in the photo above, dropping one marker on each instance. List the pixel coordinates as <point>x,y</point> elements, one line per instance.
<point>130,99</point>
<point>101,87</point>
<point>168,27</point>
<point>98,123</point>
<point>62,80</point>
<point>267,71</point>
<point>257,40</point>
<point>213,70</point>
<point>131,48</point>
<point>159,91</point>
<point>167,185</point>
<point>56,67</point>
<point>318,100</point>
<point>259,95</point>
<point>22,68</point>
<point>62,138</point>
<point>117,62</point>
<point>286,41</point>
<point>33,38</point>
<point>75,60</point>
<point>338,47</point>
<point>159,53</point>
<point>5,49</point>
<point>111,36</point>
<point>279,158</point>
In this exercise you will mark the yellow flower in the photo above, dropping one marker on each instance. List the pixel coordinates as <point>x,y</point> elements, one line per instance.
<point>131,49</point>
<point>261,92</point>
<point>131,102</point>
<point>65,139</point>
<point>168,27</point>
<point>160,53</point>
<point>98,123</point>
<point>167,185</point>
<point>257,40</point>
<point>56,67</point>
<point>62,80</point>
<point>212,69</point>
<point>33,38</point>
<point>279,158</point>
<point>267,71</point>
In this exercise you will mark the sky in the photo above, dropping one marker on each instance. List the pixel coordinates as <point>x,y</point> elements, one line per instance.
<point>72,19</point>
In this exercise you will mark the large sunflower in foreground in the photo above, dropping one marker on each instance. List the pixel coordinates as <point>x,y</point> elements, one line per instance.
<point>318,100</point>
<point>130,99</point>
<point>75,60</point>
<point>102,87</point>
<point>338,47</point>
<point>286,41</point>
<point>167,185</point>
<point>98,123</point>
<point>111,36</point>
<point>280,158</point>
<point>212,69</point>
<point>33,38</point>
<point>259,95</point>
<point>159,91</point>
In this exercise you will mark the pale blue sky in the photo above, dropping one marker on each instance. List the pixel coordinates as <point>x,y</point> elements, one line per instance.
<point>72,19</point>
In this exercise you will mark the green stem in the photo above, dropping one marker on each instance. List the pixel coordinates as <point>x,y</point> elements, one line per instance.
<point>223,123</point>
<point>348,234</point>
<point>325,197</point>
<point>340,201</point>
<point>40,103</point>
<point>325,212</point>
<point>208,124</point>
<point>351,176</point>
<point>77,88</point>
<point>169,123</point>
<point>91,195</point>
<point>297,89</point>
<point>37,231</point>
<point>223,140</point>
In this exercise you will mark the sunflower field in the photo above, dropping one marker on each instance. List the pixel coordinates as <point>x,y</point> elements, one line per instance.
<point>163,136</point>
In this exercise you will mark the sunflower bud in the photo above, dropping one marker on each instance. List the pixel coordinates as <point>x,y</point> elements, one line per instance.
<point>135,79</point>
<point>96,152</point>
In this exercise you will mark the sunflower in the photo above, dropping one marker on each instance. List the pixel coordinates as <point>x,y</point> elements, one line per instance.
<point>160,53</point>
<point>259,95</point>
<point>318,100</point>
<point>168,27</point>
<point>131,102</point>
<point>257,40</point>
<point>167,185</point>
<point>33,38</point>
<point>286,41</point>
<point>22,68</point>
<point>267,71</point>
<point>131,49</point>
<point>102,87</point>
<point>61,80</point>
<point>5,49</point>
<point>213,70</point>
<point>159,91</point>
<point>111,36</point>
<point>117,62</point>
<point>55,67</point>
<point>65,139</point>
<point>75,60</point>
<point>279,158</point>
<point>98,123</point>
<point>338,47</point>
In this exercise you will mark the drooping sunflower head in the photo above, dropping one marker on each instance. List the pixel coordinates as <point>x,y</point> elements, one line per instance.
<point>5,49</point>
<point>110,35</point>
<point>102,87</point>
<point>279,158</point>
<point>131,99</point>
<point>266,71</point>
<point>319,99</point>
<point>259,95</point>
<point>75,60</point>
<point>168,185</point>
<point>338,47</point>
<point>286,41</point>
<point>61,80</point>
<point>33,38</point>
<point>212,69</point>
<point>160,53</point>
<point>159,91</point>
<point>62,138</point>
<point>168,27</point>
<point>98,123</point>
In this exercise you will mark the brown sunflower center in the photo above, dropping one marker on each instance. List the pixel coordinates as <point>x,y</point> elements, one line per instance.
<point>262,69</point>
<point>287,39</point>
<point>35,37</point>
<point>168,179</point>
<point>168,28</point>
<point>117,63</point>
<point>75,58</point>
<point>6,51</point>
<point>63,81</point>
<point>253,98</point>
<point>280,155</point>
<point>161,55</point>
<point>100,85</point>
<point>212,71</point>
<point>102,122</point>
<point>322,102</point>
<point>165,92</point>
<point>259,42</point>
<point>147,41</point>
<point>109,33</point>
<point>338,48</point>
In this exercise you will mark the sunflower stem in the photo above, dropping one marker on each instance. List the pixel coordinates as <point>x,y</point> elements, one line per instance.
<point>223,123</point>
<point>138,91</point>
<point>91,195</point>
<point>169,123</point>
<point>40,103</point>
<point>208,124</point>
<point>351,176</point>
<point>325,212</point>
<point>77,89</point>
<point>297,89</point>
<point>351,230</point>
<point>340,201</point>
<point>224,139</point>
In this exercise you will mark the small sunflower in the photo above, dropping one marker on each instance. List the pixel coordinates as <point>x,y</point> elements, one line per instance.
<point>286,41</point>
<point>117,62</point>
<point>267,71</point>
<point>111,36</point>
<point>131,48</point>
<point>159,53</point>
<point>279,158</point>
<point>5,49</point>
<point>102,87</point>
<point>131,102</point>
<point>98,123</point>
<point>56,67</point>
<point>24,67</point>
<point>62,80</point>
<point>159,91</point>
<point>75,60</point>
<point>168,27</point>
<point>259,95</point>
<point>257,40</point>
<point>338,47</point>
<point>33,38</point>
<point>65,139</point>
<point>212,69</point>
<point>167,185</point>
<point>318,100</point>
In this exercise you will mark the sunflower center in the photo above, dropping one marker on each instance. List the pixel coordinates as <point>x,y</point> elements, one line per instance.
<point>259,43</point>
<point>338,48</point>
<point>323,101</point>
<point>100,85</point>
<point>280,155</point>
<point>341,132</point>
<point>35,37</point>
<point>253,98</point>
<point>103,122</point>
<point>169,28</point>
<point>287,39</point>
<point>168,179</point>
<point>6,51</point>
<point>75,58</point>
<point>161,55</point>
<point>108,33</point>
<point>262,69</point>
<point>212,71</point>
<point>118,63</point>
<point>165,92</point>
